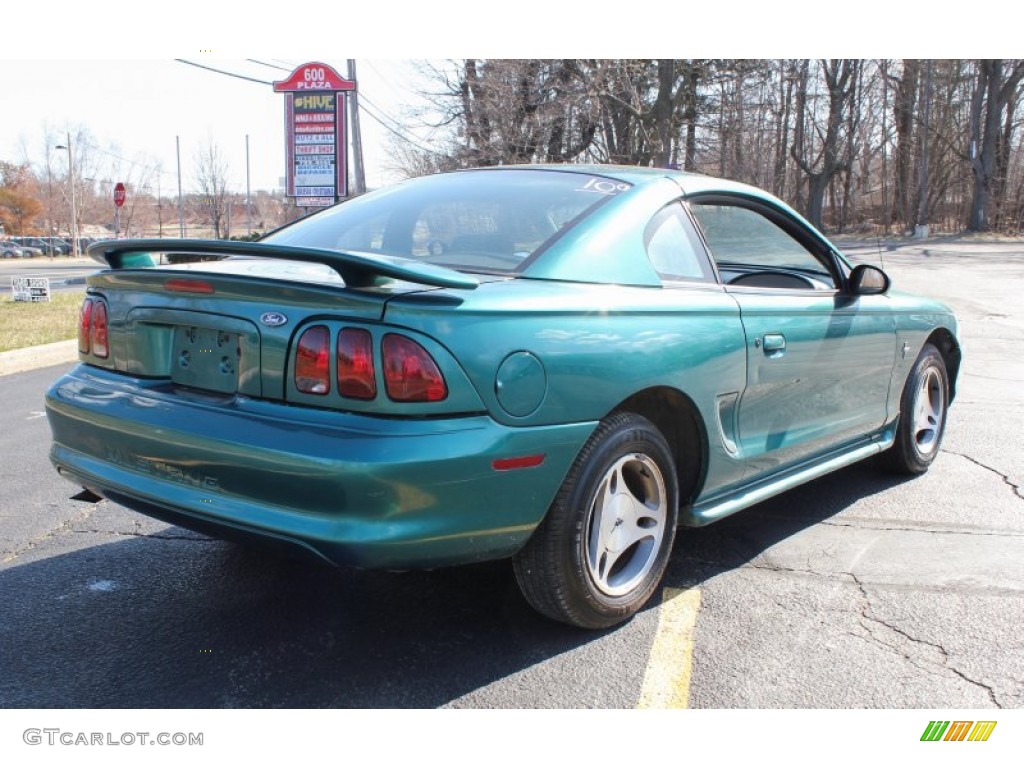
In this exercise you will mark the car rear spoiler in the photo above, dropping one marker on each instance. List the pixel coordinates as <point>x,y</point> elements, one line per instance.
<point>358,270</point>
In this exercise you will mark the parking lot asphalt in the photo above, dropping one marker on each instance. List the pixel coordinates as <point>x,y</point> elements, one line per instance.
<point>857,590</point>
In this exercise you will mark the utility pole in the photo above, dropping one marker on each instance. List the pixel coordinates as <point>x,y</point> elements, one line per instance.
<point>181,210</point>
<point>74,212</point>
<point>51,227</point>
<point>248,193</point>
<point>159,203</point>
<point>357,142</point>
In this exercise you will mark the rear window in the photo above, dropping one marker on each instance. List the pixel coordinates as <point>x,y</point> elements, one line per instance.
<point>487,220</point>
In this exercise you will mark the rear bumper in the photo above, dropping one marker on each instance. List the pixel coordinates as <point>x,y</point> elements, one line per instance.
<point>353,490</point>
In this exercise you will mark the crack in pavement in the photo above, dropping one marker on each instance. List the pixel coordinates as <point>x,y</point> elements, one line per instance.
<point>65,527</point>
<point>1006,478</point>
<point>946,663</point>
<point>867,620</point>
<point>72,525</point>
<point>962,589</point>
<point>1007,534</point>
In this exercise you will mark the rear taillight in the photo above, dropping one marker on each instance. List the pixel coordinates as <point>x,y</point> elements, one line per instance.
<point>355,364</point>
<point>92,329</point>
<point>98,335</point>
<point>84,321</point>
<point>313,361</point>
<point>410,373</point>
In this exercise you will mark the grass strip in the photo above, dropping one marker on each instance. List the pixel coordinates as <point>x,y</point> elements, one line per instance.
<point>26,324</point>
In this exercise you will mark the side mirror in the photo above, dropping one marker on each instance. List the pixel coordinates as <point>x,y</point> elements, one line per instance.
<point>866,280</point>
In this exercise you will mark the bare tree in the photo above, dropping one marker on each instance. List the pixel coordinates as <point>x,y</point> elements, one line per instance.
<point>821,161</point>
<point>994,93</point>
<point>905,118</point>
<point>211,171</point>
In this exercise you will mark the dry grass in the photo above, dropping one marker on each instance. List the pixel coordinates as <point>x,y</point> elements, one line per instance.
<point>25,324</point>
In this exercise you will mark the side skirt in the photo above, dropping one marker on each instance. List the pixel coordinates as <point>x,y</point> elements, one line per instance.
<point>713,509</point>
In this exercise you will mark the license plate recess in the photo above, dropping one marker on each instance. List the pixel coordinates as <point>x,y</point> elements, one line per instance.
<point>206,358</point>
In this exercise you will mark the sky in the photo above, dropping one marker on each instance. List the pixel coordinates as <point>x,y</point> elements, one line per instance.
<point>135,110</point>
<point>112,69</point>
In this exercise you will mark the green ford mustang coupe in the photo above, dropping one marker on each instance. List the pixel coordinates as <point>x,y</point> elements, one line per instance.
<point>554,364</point>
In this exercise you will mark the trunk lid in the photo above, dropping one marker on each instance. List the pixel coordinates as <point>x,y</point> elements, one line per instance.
<point>225,327</point>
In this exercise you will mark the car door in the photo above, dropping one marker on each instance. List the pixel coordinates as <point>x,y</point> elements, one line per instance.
<point>819,360</point>
<point>713,372</point>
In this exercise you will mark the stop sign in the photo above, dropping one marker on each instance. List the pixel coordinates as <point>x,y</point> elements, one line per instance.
<point>119,194</point>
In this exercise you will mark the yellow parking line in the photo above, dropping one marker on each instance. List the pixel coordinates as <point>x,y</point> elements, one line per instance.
<point>667,678</point>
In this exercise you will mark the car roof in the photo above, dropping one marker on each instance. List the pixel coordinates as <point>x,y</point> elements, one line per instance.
<point>690,183</point>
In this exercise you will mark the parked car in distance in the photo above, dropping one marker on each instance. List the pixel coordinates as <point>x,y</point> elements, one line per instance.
<point>22,244</point>
<point>551,364</point>
<point>57,246</point>
<point>10,250</point>
<point>41,245</point>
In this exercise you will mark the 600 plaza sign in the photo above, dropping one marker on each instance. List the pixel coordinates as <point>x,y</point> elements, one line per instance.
<point>316,135</point>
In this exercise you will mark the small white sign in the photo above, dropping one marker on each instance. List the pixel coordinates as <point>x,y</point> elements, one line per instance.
<point>314,202</point>
<point>30,288</point>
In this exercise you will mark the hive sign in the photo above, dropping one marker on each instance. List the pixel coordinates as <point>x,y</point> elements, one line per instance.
<point>316,143</point>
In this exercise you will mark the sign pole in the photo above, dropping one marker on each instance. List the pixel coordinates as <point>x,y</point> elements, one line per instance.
<point>120,195</point>
<point>181,209</point>
<point>357,140</point>
<point>248,194</point>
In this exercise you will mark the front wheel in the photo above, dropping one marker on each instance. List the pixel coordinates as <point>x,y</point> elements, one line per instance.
<point>922,421</point>
<point>602,549</point>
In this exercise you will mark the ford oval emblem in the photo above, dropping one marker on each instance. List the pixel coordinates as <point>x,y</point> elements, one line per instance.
<point>273,319</point>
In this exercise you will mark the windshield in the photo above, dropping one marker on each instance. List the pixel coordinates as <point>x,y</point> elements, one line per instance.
<point>485,220</point>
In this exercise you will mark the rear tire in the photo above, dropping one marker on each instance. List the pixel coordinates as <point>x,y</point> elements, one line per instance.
<point>922,421</point>
<point>603,546</point>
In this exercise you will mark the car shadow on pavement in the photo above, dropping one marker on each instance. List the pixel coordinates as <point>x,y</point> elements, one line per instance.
<point>703,553</point>
<point>176,620</point>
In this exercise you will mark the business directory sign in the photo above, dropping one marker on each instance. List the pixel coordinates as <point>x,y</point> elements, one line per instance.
<point>316,135</point>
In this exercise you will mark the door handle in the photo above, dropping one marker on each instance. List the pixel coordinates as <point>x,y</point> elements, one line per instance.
<point>774,343</point>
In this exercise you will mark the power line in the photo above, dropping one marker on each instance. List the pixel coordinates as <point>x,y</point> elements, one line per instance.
<point>381,111</point>
<point>399,135</point>
<point>401,91</point>
<point>95,148</point>
<point>155,167</point>
<point>272,66</point>
<point>382,119</point>
<point>384,115</point>
<point>362,107</point>
<point>396,125</point>
<point>223,72</point>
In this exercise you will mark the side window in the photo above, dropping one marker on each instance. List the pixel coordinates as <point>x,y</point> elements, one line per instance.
<point>672,248</point>
<point>750,249</point>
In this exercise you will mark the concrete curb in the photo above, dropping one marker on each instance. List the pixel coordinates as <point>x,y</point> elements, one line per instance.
<point>29,358</point>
